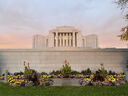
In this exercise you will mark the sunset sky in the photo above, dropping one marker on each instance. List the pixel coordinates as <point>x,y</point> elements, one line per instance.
<point>21,19</point>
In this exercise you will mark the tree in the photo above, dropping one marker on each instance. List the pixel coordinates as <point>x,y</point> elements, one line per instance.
<point>124,5</point>
<point>124,35</point>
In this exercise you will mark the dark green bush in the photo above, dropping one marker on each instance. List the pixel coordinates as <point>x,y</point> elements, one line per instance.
<point>101,71</point>
<point>98,77</point>
<point>8,74</point>
<point>75,72</point>
<point>86,72</point>
<point>43,73</point>
<point>31,75</point>
<point>55,72</point>
<point>18,73</point>
<point>111,73</point>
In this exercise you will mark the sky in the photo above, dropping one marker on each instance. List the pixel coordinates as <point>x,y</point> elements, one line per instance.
<point>21,19</point>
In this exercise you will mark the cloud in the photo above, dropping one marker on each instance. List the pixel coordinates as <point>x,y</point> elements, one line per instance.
<point>14,41</point>
<point>20,19</point>
<point>16,16</point>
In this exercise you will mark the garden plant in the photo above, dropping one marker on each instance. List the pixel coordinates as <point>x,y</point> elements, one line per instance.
<point>31,77</point>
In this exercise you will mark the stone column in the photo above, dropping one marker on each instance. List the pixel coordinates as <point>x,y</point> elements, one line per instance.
<point>69,39</point>
<point>73,39</point>
<point>63,41</point>
<point>56,39</point>
<point>66,39</point>
<point>60,37</point>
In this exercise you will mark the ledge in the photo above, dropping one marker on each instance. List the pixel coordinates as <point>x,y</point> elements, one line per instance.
<point>66,50</point>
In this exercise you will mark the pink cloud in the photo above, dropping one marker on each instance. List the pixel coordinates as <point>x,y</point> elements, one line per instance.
<point>13,41</point>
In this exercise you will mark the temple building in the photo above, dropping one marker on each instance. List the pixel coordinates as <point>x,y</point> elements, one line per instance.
<point>65,36</point>
<point>64,43</point>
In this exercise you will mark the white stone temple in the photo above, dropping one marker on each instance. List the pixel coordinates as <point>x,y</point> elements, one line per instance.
<point>65,36</point>
<point>64,43</point>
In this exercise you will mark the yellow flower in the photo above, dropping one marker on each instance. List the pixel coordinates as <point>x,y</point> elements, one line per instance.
<point>44,76</point>
<point>91,76</point>
<point>49,76</point>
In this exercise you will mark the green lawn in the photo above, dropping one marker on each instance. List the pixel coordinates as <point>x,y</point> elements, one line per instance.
<point>6,90</point>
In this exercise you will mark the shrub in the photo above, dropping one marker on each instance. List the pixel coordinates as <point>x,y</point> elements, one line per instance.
<point>28,71</point>
<point>55,72</point>
<point>112,73</point>
<point>100,74</point>
<point>75,72</point>
<point>102,71</point>
<point>7,73</point>
<point>66,69</point>
<point>44,73</point>
<point>31,75</point>
<point>18,73</point>
<point>86,72</point>
<point>98,77</point>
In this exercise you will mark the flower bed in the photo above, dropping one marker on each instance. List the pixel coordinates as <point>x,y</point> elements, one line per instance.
<point>109,80</point>
<point>66,76</point>
<point>84,80</point>
<point>20,80</point>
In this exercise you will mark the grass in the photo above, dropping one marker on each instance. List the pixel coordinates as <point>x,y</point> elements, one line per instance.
<point>6,90</point>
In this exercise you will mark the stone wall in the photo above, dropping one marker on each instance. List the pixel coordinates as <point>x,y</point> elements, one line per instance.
<point>46,60</point>
<point>92,41</point>
<point>39,41</point>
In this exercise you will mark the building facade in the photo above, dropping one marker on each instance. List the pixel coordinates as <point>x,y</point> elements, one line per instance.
<point>49,59</point>
<point>64,43</point>
<point>65,36</point>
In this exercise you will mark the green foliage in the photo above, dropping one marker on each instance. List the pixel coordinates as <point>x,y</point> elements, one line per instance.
<point>75,72</point>
<point>28,71</point>
<point>31,75</point>
<point>123,4</point>
<point>43,73</point>
<point>18,73</point>
<point>102,71</point>
<point>86,72</point>
<point>8,73</point>
<point>55,72</point>
<point>111,73</point>
<point>66,70</point>
<point>98,77</point>
<point>124,35</point>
